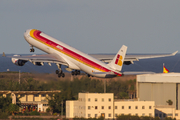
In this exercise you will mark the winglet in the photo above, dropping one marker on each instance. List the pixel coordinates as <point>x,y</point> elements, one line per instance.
<point>4,54</point>
<point>174,53</point>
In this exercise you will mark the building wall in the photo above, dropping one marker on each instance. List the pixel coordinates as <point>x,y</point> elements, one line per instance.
<point>30,97</point>
<point>178,96</point>
<point>159,88</point>
<point>158,92</point>
<point>167,111</point>
<point>69,109</point>
<point>99,103</point>
<point>139,108</point>
<point>91,105</point>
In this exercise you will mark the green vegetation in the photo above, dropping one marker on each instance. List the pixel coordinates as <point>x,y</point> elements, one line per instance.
<point>13,108</point>
<point>69,89</point>
<point>170,102</point>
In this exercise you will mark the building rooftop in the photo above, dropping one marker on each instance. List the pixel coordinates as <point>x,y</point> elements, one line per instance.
<point>29,92</point>
<point>159,77</point>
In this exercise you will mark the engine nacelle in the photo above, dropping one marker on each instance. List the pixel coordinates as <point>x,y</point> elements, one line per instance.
<point>128,62</point>
<point>18,62</point>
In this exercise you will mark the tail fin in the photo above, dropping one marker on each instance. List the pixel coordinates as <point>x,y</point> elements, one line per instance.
<point>118,60</point>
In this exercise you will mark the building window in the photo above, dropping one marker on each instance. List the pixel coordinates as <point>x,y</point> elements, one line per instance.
<point>95,99</point>
<point>36,95</point>
<point>89,99</point>
<point>156,115</point>
<point>109,107</point>
<point>43,95</point>
<point>176,114</point>
<point>109,99</point>
<point>102,107</point>
<point>89,107</point>
<point>136,114</point>
<point>96,107</point>
<point>109,115</point>
<point>50,95</point>
<point>115,107</point>
<point>136,107</point>
<point>102,99</point>
<point>95,115</point>
<point>129,107</point>
<point>143,114</point>
<point>22,95</point>
<point>143,107</point>
<point>150,114</point>
<point>164,115</point>
<point>160,115</point>
<point>89,115</point>
<point>122,107</point>
<point>45,104</point>
<point>149,107</point>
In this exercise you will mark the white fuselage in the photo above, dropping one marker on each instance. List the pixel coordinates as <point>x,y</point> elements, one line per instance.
<point>76,59</point>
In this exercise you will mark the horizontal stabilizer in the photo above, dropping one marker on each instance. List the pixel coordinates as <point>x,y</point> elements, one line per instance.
<point>108,73</point>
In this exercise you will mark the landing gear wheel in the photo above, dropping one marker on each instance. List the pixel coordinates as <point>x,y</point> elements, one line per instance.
<point>59,75</point>
<point>63,75</point>
<point>78,72</point>
<point>88,75</point>
<point>32,50</point>
<point>57,71</point>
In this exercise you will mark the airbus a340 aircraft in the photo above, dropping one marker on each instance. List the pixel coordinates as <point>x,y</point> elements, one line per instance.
<point>63,54</point>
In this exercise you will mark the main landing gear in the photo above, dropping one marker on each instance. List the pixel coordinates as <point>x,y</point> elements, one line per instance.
<point>59,72</point>
<point>76,72</point>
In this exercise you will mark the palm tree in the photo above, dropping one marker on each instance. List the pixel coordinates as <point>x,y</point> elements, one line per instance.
<point>170,102</point>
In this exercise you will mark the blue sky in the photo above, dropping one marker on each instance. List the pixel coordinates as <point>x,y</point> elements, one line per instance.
<point>93,26</point>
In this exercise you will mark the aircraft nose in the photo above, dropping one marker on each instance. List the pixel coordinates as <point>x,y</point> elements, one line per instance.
<point>26,34</point>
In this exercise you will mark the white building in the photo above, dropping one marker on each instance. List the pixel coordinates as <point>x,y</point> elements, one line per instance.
<point>160,88</point>
<point>138,108</point>
<point>91,105</point>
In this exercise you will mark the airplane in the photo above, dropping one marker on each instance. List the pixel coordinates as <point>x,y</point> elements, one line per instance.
<point>62,54</point>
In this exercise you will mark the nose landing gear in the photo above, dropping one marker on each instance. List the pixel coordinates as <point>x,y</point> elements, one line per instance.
<point>32,49</point>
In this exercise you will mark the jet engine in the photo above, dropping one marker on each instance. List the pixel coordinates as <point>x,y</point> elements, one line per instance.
<point>18,62</point>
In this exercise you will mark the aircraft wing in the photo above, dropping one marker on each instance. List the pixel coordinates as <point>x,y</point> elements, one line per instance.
<point>129,58</point>
<point>49,58</point>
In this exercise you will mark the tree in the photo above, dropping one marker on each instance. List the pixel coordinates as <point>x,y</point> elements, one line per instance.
<point>170,102</point>
<point>5,102</point>
<point>13,108</point>
<point>123,95</point>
